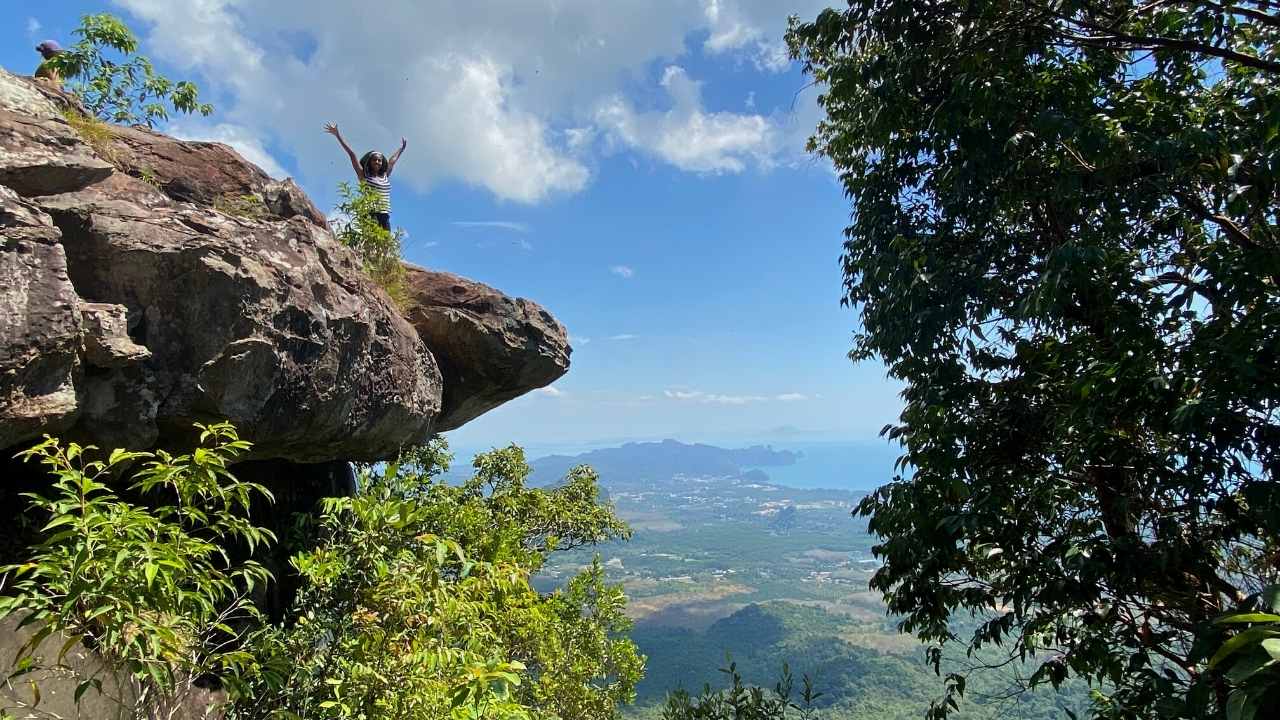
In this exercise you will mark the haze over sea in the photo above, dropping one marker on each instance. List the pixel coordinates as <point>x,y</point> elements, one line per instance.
<point>836,465</point>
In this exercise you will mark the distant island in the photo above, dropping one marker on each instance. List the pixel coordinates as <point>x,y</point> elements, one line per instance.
<point>659,461</point>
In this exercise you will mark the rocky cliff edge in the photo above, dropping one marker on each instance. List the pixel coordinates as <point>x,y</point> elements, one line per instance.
<point>147,283</point>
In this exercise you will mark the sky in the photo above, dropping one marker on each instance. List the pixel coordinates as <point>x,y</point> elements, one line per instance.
<point>635,166</point>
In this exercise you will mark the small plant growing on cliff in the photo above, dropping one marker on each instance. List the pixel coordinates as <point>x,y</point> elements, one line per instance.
<point>148,176</point>
<point>378,249</point>
<point>95,133</point>
<point>149,588</point>
<point>248,206</point>
<point>117,85</point>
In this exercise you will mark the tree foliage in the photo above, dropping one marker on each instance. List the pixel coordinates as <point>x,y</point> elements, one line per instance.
<point>151,589</point>
<point>740,701</point>
<point>1064,242</point>
<point>116,84</point>
<point>415,599</point>
<point>416,604</point>
<point>357,228</point>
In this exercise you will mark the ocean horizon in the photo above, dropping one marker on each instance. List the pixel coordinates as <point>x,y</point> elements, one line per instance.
<point>832,465</point>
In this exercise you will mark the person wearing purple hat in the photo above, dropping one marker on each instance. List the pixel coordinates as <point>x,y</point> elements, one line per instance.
<point>49,50</point>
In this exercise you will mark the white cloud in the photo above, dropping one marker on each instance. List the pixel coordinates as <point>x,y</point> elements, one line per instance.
<point>575,340</point>
<point>518,227</point>
<point>33,28</point>
<point>755,28</point>
<point>513,97</point>
<point>734,399</point>
<point>623,271</point>
<point>712,398</point>
<point>550,392</point>
<point>241,138</point>
<point>718,399</point>
<point>624,337</point>
<point>687,136</point>
<point>579,139</point>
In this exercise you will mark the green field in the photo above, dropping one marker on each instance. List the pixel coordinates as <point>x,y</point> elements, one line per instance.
<point>732,565</point>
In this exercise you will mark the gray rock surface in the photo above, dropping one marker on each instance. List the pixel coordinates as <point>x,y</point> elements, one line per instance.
<point>269,324</point>
<point>207,173</point>
<point>491,348</point>
<point>178,283</point>
<point>40,153</point>
<point>106,338</point>
<point>58,685</point>
<point>39,325</point>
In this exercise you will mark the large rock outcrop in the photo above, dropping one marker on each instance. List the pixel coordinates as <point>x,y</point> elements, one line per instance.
<point>148,283</point>
<point>491,348</point>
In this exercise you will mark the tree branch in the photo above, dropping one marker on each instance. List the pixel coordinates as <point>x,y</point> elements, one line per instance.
<point>1255,15</point>
<point>1142,42</point>
<point>1226,224</point>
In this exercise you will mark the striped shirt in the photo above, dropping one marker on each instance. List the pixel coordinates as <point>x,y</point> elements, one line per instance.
<point>381,186</point>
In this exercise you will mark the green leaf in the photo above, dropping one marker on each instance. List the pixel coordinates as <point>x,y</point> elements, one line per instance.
<point>1245,668</point>
<point>1272,647</point>
<point>66,647</point>
<point>1238,618</point>
<point>81,688</point>
<point>1252,636</point>
<point>1242,704</point>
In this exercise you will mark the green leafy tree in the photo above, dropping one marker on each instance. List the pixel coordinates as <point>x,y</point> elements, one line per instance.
<point>148,587</point>
<point>740,701</point>
<point>379,249</point>
<point>116,84</point>
<point>416,603</point>
<point>1064,243</point>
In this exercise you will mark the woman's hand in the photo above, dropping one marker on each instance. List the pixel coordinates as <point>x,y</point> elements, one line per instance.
<point>351,154</point>
<point>395,156</point>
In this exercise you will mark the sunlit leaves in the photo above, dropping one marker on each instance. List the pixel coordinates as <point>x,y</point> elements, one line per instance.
<point>379,249</point>
<point>150,588</point>
<point>116,85</point>
<point>416,603</point>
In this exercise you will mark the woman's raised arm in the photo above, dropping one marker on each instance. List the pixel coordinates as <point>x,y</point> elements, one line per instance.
<point>355,164</point>
<point>391,163</point>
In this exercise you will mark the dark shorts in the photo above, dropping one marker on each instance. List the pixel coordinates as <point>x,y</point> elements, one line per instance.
<point>384,220</point>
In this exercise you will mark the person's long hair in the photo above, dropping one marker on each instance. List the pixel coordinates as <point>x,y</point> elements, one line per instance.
<point>366,164</point>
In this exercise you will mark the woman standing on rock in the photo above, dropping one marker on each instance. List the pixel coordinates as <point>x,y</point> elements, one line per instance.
<point>374,170</point>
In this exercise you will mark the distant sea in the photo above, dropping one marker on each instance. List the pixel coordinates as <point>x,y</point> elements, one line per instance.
<point>858,467</point>
<point>835,466</point>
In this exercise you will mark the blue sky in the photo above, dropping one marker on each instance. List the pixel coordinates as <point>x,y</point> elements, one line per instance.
<point>635,167</point>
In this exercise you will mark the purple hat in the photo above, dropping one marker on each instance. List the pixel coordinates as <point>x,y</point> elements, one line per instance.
<point>49,48</point>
